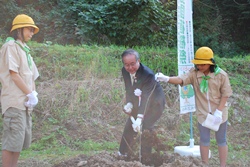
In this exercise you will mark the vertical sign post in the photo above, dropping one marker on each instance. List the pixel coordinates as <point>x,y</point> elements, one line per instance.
<point>185,55</point>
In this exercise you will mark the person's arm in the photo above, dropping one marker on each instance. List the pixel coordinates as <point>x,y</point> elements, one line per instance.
<point>219,111</point>
<point>222,103</point>
<point>164,78</point>
<point>19,82</point>
<point>34,86</point>
<point>175,80</point>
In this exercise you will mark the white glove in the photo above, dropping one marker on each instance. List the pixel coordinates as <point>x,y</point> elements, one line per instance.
<point>128,108</point>
<point>137,125</point>
<point>210,122</point>
<point>161,77</point>
<point>218,116</point>
<point>32,101</point>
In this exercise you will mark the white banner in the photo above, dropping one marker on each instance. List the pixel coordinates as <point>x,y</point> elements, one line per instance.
<point>185,52</point>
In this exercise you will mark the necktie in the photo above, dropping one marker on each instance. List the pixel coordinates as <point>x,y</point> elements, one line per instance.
<point>132,76</point>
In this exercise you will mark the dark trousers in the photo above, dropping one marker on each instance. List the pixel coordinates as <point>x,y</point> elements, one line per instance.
<point>128,133</point>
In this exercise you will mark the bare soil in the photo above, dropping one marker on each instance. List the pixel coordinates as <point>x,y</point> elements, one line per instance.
<point>160,157</point>
<point>103,124</point>
<point>167,130</point>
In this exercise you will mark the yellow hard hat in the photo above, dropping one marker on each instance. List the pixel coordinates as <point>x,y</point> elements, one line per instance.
<point>204,55</point>
<point>23,20</point>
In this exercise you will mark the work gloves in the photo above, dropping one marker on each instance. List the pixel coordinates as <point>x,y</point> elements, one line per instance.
<point>32,99</point>
<point>217,117</point>
<point>213,121</point>
<point>128,108</point>
<point>137,124</point>
<point>161,77</point>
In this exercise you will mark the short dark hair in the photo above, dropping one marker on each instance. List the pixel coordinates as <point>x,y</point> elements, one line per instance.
<point>131,51</point>
<point>14,34</point>
<point>211,68</point>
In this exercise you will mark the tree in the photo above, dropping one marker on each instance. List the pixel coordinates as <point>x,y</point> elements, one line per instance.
<point>128,22</point>
<point>222,25</point>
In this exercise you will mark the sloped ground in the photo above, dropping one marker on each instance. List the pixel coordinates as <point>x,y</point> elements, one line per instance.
<point>159,158</point>
<point>168,129</point>
<point>95,107</point>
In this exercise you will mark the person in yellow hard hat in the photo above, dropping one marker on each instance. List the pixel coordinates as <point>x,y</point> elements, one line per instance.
<point>18,73</point>
<point>212,89</point>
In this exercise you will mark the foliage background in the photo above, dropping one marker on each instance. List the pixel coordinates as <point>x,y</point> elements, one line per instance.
<point>80,89</point>
<point>221,25</point>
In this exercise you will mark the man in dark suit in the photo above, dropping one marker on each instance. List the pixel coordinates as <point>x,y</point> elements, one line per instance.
<point>145,99</point>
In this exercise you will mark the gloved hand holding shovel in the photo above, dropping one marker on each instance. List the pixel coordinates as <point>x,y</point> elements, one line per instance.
<point>137,124</point>
<point>128,109</point>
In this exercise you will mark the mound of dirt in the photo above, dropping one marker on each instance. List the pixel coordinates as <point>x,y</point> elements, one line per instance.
<point>158,157</point>
<point>105,159</point>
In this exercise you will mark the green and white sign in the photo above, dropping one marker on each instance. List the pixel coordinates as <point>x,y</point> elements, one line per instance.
<point>185,52</point>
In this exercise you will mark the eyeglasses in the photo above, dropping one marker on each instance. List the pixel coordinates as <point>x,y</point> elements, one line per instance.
<point>130,65</point>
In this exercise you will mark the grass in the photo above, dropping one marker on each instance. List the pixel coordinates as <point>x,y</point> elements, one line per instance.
<point>81,95</point>
<point>77,147</point>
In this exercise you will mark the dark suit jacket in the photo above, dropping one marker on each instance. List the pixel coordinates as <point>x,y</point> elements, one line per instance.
<point>152,104</point>
<point>152,97</point>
